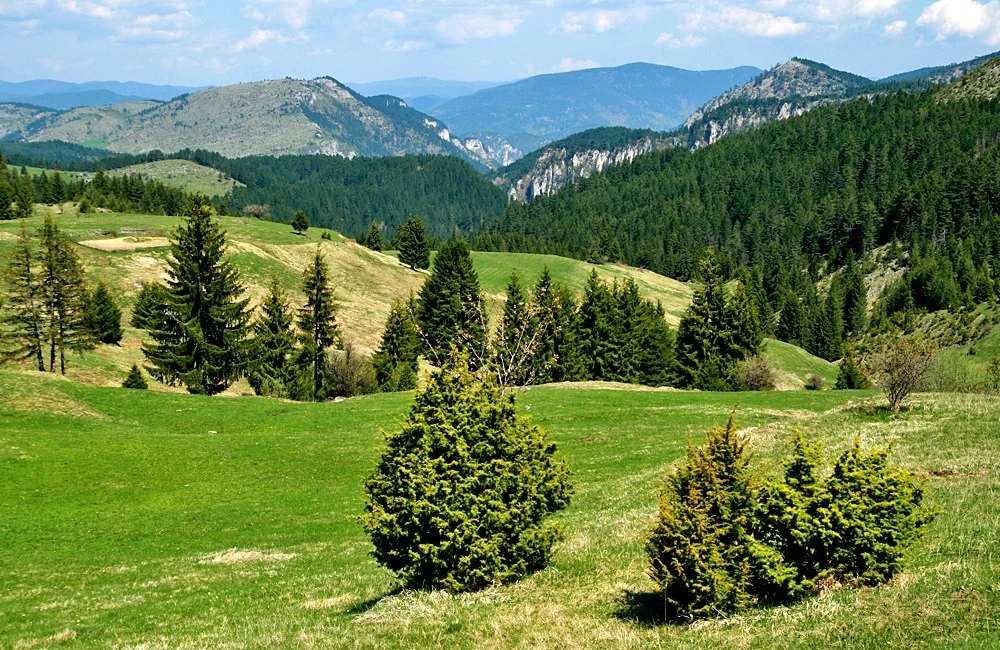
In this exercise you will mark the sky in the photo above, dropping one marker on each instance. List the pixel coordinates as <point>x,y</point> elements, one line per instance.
<point>210,42</point>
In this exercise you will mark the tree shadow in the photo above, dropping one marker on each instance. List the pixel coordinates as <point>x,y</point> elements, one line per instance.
<point>367,605</point>
<point>646,608</point>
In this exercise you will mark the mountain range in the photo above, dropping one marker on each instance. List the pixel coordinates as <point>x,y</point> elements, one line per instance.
<point>62,95</point>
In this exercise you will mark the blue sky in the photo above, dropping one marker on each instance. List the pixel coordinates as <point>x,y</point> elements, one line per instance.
<point>206,42</point>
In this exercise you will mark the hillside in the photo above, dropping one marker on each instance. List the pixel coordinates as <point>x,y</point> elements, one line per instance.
<point>34,91</point>
<point>284,116</point>
<point>982,83</point>
<point>144,519</point>
<point>553,106</point>
<point>127,250</point>
<point>944,74</point>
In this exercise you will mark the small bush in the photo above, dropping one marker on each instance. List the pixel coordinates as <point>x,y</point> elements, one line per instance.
<point>351,373</point>
<point>459,497</point>
<point>815,382</point>
<point>899,367</point>
<point>727,538</point>
<point>756,373</point>
<point>850,376</point>
<point>134,379</point>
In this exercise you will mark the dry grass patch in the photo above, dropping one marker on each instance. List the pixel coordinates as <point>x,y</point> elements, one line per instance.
<point>126,243</point>
<point>236,556</point>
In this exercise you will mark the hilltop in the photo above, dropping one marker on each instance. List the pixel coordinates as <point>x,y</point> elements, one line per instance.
<point>982,83</point>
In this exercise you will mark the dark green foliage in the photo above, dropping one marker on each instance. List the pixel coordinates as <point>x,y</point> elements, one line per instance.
<point>147,311</point>
<point>300,222</point>
<point>850,376</point>
<point>22,318</point>
<point>105,315</point>
<point>517,336</point>
<point>319,331</point>
<point>411,241</point>
<point>200,339</point>
<point>715,334</point>
<point>726,538</point>
<point>134,379</point>
<point>24,197</point>
<point>556,357</point>
<point>272,372</point>
<point>792,326</point>
<point>851,287</point>
<point>374,239</point>
<point>459,497</point>
<point>396,359</point>
<point>450,309</point>
<point>64,295</point>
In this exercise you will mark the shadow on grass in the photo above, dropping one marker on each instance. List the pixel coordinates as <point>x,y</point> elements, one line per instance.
<point>646,608</point>
<point>366,605</point>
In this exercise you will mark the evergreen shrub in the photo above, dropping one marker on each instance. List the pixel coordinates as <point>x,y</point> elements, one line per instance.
<point>458,499</point>
<point>727,538</point>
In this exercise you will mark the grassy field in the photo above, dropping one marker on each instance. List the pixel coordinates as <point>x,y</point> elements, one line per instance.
<point>151,520</point>
<point>794,365</point>
<point>181,174</point>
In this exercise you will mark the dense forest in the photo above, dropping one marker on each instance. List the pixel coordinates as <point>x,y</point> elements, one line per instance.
<point>803,193</point>
<point>337,193</point>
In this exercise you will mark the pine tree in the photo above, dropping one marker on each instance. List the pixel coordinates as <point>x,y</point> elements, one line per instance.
<point>516,337</point>
<point>274,344</point>
<point>855,297</point>
<point>396,359</point>
<point>6,198</point>
<point>706,354</point>
<point>450,309</point>
<point>24,198</point>
<point>596,336</point>
<point>319,328</point>
<point>134,379</point>
<point>411,240</point>
<point>792,326</point>
<point>105,315</point>
<point>23,317</point>
<point>850,375</point>
<point>655,342</point>
<point>147,310</point>
<point>64,295</point>
<point>374,240</point>
<point>201,337</point>
<point>743,321</point>
<point>556,358</point>
<point>300,222</point>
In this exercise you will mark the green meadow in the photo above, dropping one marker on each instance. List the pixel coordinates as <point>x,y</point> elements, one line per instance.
<point>141,519</point>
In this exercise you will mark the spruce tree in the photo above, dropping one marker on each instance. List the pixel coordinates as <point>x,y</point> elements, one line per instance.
<point>6,199</point>
<point>395,361</point>
<point>300,222</point>
<point>319,328</point>
<point>655,342</point>
<point>450,309</point>
<point>147,310</point>
<point>850,375</point>
<point>23,316</point>
<point>743,321</point>
<point>105,315</point>
<point>134,379</point>
<point>596,331</point>
<point>411,241</point>
<point>556,358</point>
<point>516,337</point>
<point>201,337</point>
<point>274,343</point>
<point>855,297</point>
<point>64,295</point>
<point>706,354</point>
<point>24,197</point>
<point>792,326</point>
<point>374,239</point>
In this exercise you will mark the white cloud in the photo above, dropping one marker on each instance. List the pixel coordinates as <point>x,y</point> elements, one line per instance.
<point>840,10</point>
<point>260,37</point>
<point>490,22</point>
<point>689,40</point>
<point>391,16</point>
<point>964,18</point>
<point>599,21</point>
<point>409,45</point>
<point>569,64</point>
<point>747,21</point>
<point>294,13</point>
<point>895,28</point>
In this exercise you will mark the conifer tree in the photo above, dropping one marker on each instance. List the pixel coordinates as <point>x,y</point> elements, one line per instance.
<point>319,328</point>
<point>300,222</point>
<point>64,295</point>
<point>655,343</point>
<point>598,320</point>
<point>147,310</point>
<point>411,241</point>
<point>201,337</point>
<point>6,199</point>
<point>556,358</point>
<point>516,337</point>
<point>396,359</point>
<point>450,309</point>
<point>105,315</point>
<point>274,342</point>
<point>850,375</point>
<point>855,297</point>
<point>24,198</point>
<point>134,379</point>
<point>374,239</point>
<point>792,326</point>
<point>23,316</point>
<point>743,321</point>
<point>706,351</point>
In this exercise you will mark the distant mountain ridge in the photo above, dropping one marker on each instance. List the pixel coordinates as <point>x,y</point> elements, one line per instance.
<point>61,95</point>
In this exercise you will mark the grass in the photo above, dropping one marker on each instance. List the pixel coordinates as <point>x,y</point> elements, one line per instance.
<point>140,519</point>
<point>794,365</point>
<point>181,174</point>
